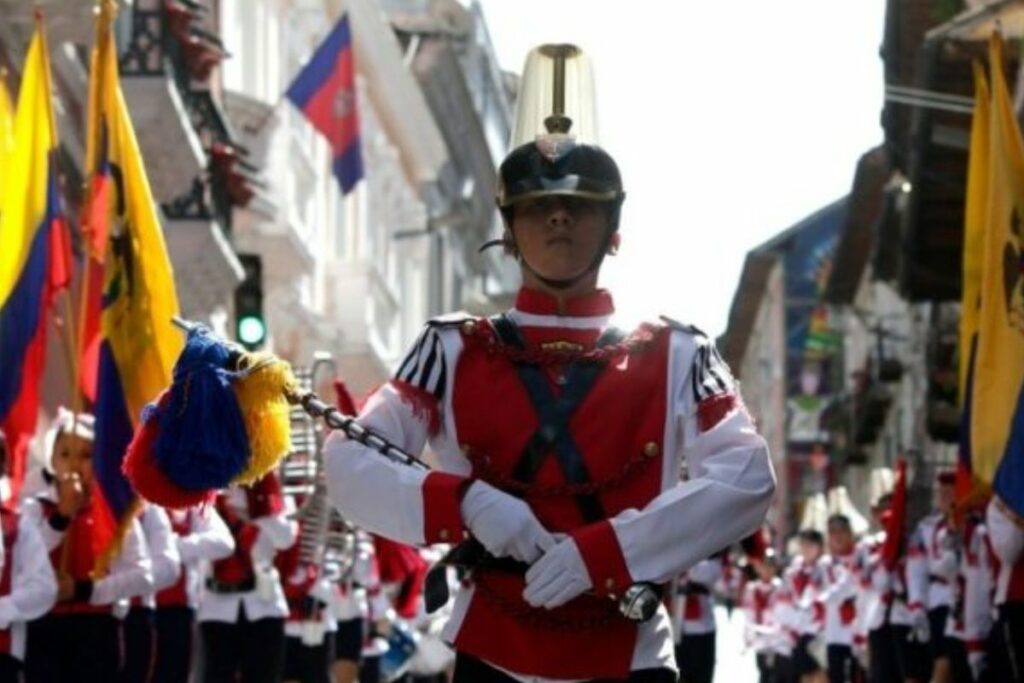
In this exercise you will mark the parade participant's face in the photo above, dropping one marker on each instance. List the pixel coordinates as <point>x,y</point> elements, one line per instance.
<point>810,551</point>
<point>560,237</point>
<point>945,498</point>
<point>840,540</point>
<point>73,455</point>
<point>765,570</point>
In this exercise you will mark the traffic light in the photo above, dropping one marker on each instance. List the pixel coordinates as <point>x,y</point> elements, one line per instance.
<point>250,326</point>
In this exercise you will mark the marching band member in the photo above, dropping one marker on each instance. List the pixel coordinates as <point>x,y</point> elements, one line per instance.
<point>1006,531</point>
<point>242,613</point>
<point>694,621</point>
<point>839,598</point>
<point>560,441</point>
<point>201,537</point>
<point>28,587</point>
<point>79,638</point>
<point>931,571</point>
<point>139,626</point>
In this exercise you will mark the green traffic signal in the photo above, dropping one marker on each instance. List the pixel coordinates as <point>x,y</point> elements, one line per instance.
<point>251,330</point>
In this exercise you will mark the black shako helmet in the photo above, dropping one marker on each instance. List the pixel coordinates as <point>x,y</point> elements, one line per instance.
<point>556,110</point>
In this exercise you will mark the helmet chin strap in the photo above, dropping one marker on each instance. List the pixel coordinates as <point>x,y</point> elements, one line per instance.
<point>568,282</point>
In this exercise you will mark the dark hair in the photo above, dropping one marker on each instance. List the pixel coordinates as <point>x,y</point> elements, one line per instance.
<point>811,536</point>
<point>841,521</point>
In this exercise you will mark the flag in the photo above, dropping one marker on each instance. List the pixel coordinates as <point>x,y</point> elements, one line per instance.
<point>6,127</point>
<point>325,92</point>
<point>997,399</point>
<point>34,256</point>
<point>137,341</point>
<point>895,518</point>
<point>975,217</point>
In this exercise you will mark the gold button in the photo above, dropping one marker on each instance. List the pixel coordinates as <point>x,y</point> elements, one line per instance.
<point>443,534</point>
<point>609,584</point>
<point>651,449</point>
<point>468,326</point>
<point>465,535</point>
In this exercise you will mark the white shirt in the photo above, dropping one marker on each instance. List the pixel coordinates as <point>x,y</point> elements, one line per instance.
<point>131,572</point>
<point>208,540</point>
<point>33,585</point>
<point>276,532</point>
<point>163,551</point>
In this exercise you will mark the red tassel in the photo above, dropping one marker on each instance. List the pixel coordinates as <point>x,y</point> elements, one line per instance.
<point>423,404</point>
<point>148,480</point>
<point>713,410</point>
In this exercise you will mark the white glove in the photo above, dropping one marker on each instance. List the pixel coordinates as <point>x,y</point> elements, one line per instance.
<point>558,577</point>
<point>921,628</point>
<point>504,524</point>
<point>978,663</point>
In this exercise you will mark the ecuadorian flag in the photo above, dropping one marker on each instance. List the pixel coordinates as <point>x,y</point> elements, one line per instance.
<point>34,256</point>
<point>137,342</point>
<point>997,380</point>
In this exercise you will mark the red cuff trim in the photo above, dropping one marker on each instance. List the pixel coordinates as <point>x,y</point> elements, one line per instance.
<point>915,606</point>
<point>423,404</point>
<point>713,410</point>
<point>442,519</point>
<point>975,645</point>
<point>601,552</point>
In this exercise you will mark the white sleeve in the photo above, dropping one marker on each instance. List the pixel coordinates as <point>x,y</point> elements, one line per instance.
<point>386,497</point>
<point>978,587</point>
<point>163,550</point>
<point>730,486</point>
<point>32,510</point>
<point>917,571</point>
<point>209,537</point>
<point>705,573</point>
<point>277,532</point>
<point>33,584</point>
<point>130,574</point>
<point>1007,537</point>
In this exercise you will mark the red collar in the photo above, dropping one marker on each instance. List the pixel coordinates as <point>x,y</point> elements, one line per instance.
<point>598,302</point>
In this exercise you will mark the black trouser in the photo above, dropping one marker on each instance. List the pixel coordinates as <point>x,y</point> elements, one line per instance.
<point>914,657</point>
<point>252,649</point>
<point>695,657</point>
<point>139,639</point>
<point>939,643</point>
<point>174,634</point>
<point>308,663</point>
<point>1006,644</point>
<point>348,640</point>
<point>842,666</point>
<point>883,659</point>
<point>369,670</point>
<point>803,662</point>
<point>84,648</point>
<point>471,670</point>
<point>765,667</point>
<point>10,668</point>
<point>960,666</point>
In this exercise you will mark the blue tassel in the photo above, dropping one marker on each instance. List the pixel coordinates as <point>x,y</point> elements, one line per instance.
<point>202,442</point>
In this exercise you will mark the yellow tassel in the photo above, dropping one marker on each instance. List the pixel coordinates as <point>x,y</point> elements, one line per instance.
<point>265,412</point>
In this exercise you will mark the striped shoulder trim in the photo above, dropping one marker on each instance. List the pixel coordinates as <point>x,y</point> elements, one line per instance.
<point>710,376</point>
<point>424,365</point>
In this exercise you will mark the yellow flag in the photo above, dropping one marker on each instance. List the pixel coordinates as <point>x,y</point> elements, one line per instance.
<point>975,217</point>
<point>23,198</point>
<point>6,127</point>
<point>997,408</point>
<point>139,295</point>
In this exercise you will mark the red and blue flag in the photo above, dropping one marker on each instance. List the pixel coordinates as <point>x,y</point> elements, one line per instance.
<point>325,92</point>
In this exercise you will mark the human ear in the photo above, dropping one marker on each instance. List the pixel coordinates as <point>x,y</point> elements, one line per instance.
<point>613,244</point>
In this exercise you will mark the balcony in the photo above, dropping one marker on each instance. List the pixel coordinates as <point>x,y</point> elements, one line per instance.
<point>206,267</point>
<point>367,310</point>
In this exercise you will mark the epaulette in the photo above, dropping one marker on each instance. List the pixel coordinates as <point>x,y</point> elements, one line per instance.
<point>451,319</point>
<point>684,327</point>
